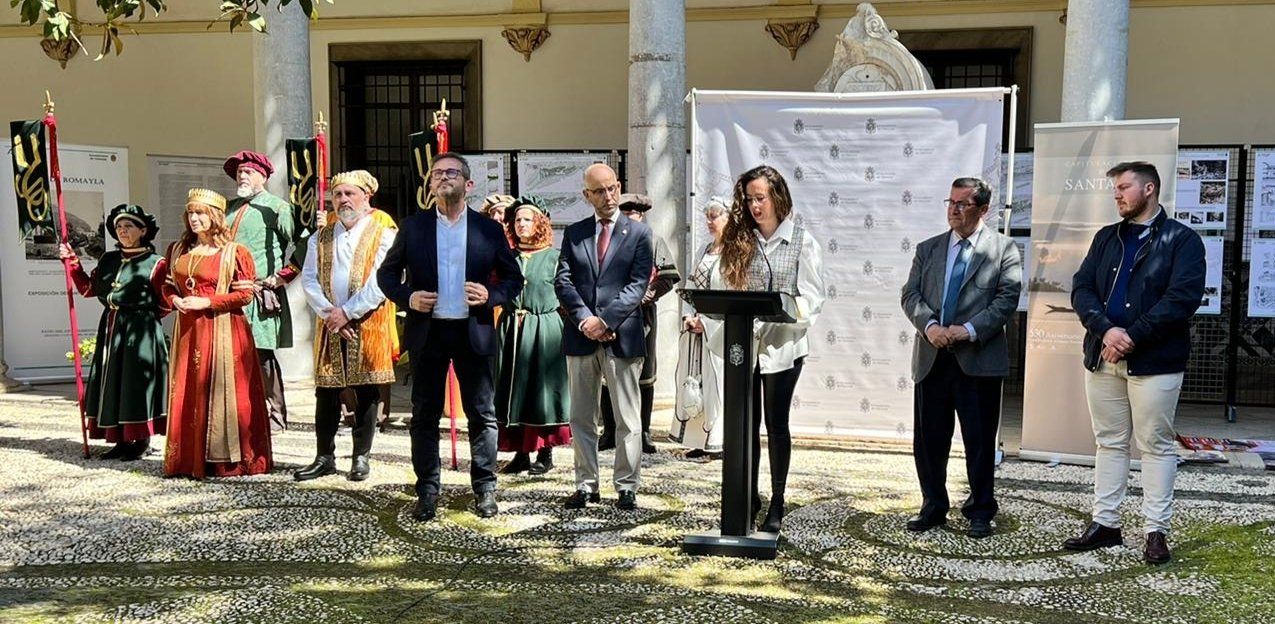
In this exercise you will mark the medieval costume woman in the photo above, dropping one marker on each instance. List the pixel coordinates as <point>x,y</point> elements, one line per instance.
<point>532,408</point>
<point>219,425</point>
<point>124,400</point>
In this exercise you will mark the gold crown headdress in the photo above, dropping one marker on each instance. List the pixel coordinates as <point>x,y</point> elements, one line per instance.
<point>359,177</point>
<point>206,197</point>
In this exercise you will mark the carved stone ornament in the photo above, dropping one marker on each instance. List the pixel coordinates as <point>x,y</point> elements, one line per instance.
<point>868,57</point>
<point>525,39</point>
<point>60,51</point>
<point>793,35</point>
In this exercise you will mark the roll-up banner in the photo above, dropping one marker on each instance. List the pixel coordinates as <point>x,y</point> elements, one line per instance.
<point>1071,200</point>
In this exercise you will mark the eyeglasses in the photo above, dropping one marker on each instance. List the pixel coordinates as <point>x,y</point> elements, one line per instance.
<point>604,191</point>
<point>960,206</point>
<point>756,199</point>
<point>450,174</point>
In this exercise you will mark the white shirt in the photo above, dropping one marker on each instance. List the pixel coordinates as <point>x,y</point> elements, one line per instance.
<point>780,344</point>
<point>344,244</point>
<point>451,242</point>
<point>953,250</point>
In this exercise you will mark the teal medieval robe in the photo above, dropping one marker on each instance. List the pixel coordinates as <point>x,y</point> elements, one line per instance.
<point>265,226</point>
<point>128,378</point>
<point>531,370</point>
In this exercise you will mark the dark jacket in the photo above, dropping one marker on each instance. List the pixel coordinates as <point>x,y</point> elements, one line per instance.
<point>1164,291</point>
<point>612,292</point>
<point>411,264</point>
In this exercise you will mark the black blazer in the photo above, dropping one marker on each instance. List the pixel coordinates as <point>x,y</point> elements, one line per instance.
<point>1165,290</point>
<point>411,264</point>
<point>611,292</point>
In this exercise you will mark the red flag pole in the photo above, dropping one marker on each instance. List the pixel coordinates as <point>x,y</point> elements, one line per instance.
<point>55,170</point>
<point>321,142</point>
<point>453,385</point>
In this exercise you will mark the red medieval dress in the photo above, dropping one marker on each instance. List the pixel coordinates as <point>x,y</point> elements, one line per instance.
<point>217,419</point>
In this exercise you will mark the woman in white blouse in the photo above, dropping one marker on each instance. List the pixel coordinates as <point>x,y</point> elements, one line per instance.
<point>701,431</point>
<point>761,223</point>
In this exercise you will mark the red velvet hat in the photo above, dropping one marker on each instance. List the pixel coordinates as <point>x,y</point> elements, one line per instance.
<point>248,158</point>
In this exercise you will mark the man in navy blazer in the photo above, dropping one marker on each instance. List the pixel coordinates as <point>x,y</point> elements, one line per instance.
<point>603,270</point>
<point>447,269</point>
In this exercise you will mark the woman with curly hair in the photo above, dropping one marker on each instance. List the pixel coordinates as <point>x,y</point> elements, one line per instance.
<point>764,249</point>
<point>124,401</point>
<point>532,395</point>
<point>219,425</point>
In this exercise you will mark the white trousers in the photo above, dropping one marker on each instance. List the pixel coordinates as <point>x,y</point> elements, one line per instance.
<point>1141,407</point>
<point>585,374</point>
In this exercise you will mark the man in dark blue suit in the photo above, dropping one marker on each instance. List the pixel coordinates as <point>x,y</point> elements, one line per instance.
<point>603,270</point>
<point>448,268</point>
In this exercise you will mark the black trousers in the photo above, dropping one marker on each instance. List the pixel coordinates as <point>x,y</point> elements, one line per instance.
<point>448,343</point>
<point>367,405</point>
<point>976,401</point>
<point>272,379</point>
<point>772,397</point>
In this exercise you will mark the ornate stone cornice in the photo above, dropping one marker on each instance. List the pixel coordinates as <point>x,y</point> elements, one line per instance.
<point>793,35</point>
<point>525,39</point>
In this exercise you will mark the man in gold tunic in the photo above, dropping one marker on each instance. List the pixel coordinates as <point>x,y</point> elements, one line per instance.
<point>355,343</point>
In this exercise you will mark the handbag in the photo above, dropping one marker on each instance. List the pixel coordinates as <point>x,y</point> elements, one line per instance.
<point>690,390</point>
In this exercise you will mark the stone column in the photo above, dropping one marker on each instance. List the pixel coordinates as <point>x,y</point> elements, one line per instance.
<point>1095,61</point>
<point>282,104</point>
<point>657,149</point>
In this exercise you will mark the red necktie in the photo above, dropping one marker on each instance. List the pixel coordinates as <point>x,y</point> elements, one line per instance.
<point>604,240</point>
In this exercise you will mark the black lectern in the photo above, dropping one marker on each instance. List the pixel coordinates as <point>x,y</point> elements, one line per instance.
<point>738,308</point>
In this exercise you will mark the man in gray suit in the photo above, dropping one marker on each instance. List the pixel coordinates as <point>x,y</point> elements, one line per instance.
<point>603,270</point>
<point>962,289</point>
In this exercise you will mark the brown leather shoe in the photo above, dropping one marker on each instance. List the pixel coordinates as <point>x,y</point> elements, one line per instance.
<point>1095,536</point>
<point>1156,551</point>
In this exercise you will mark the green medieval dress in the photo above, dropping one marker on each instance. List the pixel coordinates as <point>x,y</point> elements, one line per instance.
<point>128,378</point>
<point>532,404</point>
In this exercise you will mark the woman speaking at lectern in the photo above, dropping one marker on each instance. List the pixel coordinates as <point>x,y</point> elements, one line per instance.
<point>763,249</point>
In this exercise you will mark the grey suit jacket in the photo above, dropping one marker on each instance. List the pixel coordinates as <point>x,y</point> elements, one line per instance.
<point>988,296</point>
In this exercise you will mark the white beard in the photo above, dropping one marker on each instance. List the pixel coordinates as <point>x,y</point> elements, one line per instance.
<point>245,191</point>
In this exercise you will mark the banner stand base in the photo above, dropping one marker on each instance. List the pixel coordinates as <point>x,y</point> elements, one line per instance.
<point>755,545</point>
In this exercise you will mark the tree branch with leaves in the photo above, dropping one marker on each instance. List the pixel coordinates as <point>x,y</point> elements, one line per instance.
<point>60,25</point>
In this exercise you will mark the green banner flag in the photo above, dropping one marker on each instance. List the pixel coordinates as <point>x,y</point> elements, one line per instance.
<point>31,179</point>
<point>303,183</point>
<point>422,157</point>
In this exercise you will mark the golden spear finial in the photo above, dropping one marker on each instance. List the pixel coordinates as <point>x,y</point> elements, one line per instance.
<point>48,103</point>
<point>320,126</point>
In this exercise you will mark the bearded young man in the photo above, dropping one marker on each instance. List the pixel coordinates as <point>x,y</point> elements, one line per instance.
<point>448,268</point>
<point>1135,293</point>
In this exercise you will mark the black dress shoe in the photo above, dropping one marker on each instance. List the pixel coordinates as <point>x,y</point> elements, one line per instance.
<point>774,518</point>
<point>627,500</point>
<point>322,466</point>
<point>116,451</point>
<point>1156,551</point>
<point>648,445</point>
<point>919,523</point>
<point>426,508</point>
<point>606,441</point>
<point>136,450</point>
<point>485,504</point>
<point>360,467</point>
<point>579,499</point>
<point>979,529</point>
<point>1095,536</point>
<point>520,463</point>
<point>543,463</point>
